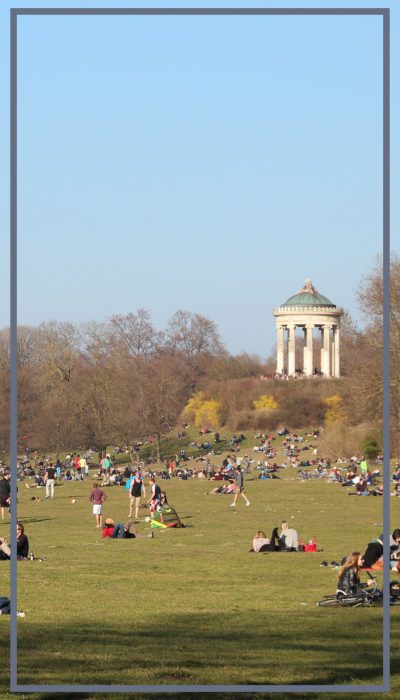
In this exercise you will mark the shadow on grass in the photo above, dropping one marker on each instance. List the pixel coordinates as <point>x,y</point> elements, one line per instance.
<point>203,649</point>
<point>29,520</point>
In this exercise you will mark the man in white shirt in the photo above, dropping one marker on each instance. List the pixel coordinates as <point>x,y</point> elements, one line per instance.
<point>288,538</point>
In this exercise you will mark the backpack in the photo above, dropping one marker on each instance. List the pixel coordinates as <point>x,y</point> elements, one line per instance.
<point>129,483</point>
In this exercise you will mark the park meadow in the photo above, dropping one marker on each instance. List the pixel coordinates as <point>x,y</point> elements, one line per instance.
<point>193,605</point>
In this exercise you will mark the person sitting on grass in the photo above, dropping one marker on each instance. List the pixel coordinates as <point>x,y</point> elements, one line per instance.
<point>395,540</point>
<point>261,543</point>
<point>218,476</point>
<point>362,487</point>
<point>22,545</point>
<point>288,539</point>
<point>395,549</point>
<point>106,479</point>
<point>396,491</point>
<point>335,475</point>
<point>396,474</point>
<point>373,553</point>
<point>350,476</point>
<point>349,577</point>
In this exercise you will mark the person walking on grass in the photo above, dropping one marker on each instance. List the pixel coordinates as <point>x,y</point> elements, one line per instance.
<point>239,478</point>
<point>98,497</point>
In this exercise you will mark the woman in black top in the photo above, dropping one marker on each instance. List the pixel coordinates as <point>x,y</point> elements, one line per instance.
<point>349,579</point>
<point>22,545</point>
<point>5,491</point>
<point>22,542</point>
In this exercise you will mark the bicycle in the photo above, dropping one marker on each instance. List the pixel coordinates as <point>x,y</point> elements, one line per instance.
<point>366,597</point>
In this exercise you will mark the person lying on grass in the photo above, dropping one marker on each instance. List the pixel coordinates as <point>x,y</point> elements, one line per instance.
<point>261,543</point>
<point>121,531</point>
<point>226,488</point>
<point>22,545</point>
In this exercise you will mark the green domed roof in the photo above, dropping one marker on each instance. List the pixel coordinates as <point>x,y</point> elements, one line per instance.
<point>308,296</point>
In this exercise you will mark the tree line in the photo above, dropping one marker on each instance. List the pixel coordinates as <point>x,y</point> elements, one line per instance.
<point>114,382</point>
<point>110,382</point>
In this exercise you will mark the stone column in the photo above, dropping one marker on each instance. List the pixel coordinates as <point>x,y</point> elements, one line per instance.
<point>327,351</point>
<point>336,352</point>
<point>322,367</point>
<point>280,355</point>
<point>308,350</point>
<point>292,350</point>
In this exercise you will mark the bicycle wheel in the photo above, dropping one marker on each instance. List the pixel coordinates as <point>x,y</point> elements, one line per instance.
<point>330,602</point>
<point>352,601</point>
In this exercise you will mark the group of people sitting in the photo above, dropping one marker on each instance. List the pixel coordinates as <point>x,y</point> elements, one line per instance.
<point>285,541</point>
<point>349,582</point>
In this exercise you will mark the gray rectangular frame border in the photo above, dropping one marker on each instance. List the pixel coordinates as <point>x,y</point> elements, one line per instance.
<point>385,14</point>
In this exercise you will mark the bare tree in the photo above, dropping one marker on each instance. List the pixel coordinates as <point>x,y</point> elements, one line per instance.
<point>195,338</point>
<point>95,341</point>
<point>370,298</point>
<point>162,392</point>
<point>27,346</point>
<point>57,346</point>
<point>136,334</point>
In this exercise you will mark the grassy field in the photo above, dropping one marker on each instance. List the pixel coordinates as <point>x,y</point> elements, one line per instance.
<point>193,605</point>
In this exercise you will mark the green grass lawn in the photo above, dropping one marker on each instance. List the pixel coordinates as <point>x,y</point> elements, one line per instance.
<point>193,605</point>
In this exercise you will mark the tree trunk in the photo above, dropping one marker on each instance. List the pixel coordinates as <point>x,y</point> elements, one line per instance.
<point>158,447</point>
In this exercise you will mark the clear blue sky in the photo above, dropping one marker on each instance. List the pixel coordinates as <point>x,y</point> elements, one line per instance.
<point>204,163</point>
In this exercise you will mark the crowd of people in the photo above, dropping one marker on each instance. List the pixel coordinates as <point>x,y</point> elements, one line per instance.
<point>229,472</point>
